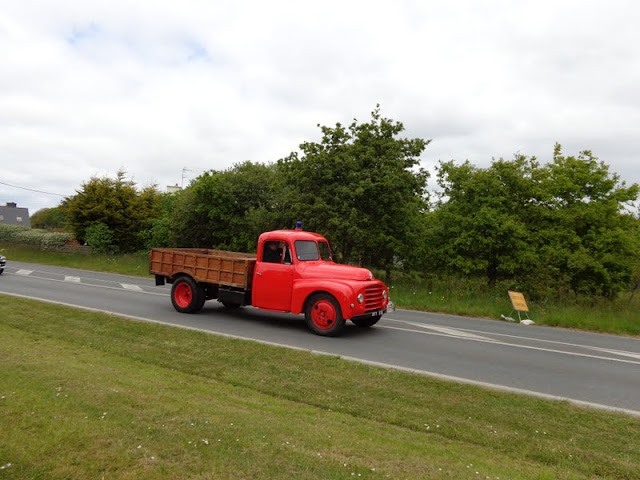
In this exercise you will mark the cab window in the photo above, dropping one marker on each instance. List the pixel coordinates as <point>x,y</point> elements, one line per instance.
<point>306,250</point>
<point>272,252</point>
<point>325,251</point>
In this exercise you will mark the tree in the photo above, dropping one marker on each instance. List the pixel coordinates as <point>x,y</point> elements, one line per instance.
<point>481,225</point>
<point>587,233</point>
<point>225,209</point>
<point>118,205</point>
<point>159,234</point>
<point>361,186</point>
<point>559,227</point>
<point>48,218</point>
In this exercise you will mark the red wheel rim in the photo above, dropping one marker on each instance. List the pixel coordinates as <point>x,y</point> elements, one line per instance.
<point>183,295</point>
<point>323,314</point>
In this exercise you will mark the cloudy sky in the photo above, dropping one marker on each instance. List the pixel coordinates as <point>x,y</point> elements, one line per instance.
<point>167,90</point>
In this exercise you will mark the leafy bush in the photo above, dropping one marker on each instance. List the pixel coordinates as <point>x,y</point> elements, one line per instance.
<point>100,238</point>
<point>45,240</point>
<point>8,233</point>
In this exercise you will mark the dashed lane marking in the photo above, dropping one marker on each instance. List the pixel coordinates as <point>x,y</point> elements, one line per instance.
<point>130,286</point>
<point>68,278</point>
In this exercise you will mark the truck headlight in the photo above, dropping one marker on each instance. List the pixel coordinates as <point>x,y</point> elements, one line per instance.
<point>360,298</point>
<point>384,294</point>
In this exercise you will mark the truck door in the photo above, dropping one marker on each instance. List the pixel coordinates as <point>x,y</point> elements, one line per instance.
<point>273,278</point>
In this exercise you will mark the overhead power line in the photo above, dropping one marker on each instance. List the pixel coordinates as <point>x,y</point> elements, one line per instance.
<point>33,190</point>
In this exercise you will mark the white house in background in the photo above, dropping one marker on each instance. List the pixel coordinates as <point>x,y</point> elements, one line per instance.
<point>11,214</point>
<point>173,188</point>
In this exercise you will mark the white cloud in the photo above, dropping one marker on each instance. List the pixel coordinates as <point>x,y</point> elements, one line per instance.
<point>88,88</point>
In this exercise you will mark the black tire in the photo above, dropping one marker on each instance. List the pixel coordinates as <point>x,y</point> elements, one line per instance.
<point>323,315</point>
<point>366,322</point>
<point>186,295</point>
<point>202,297</point>
<point>1,270</point>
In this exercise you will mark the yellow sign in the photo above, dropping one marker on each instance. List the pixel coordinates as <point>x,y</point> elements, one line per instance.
<point>518,302</point>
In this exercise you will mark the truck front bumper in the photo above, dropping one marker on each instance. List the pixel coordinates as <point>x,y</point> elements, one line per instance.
<point>375,313</point>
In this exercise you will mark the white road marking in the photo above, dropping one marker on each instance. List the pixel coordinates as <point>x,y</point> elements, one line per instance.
<point>24,272</point>
<point>519,337</point>
<point>516,345</point>
<point>452,332</point>
<point>68,278</point>
<point>622,353</point>
<point>100,286</point>
<point>540,340</point>
<point>130,286</point>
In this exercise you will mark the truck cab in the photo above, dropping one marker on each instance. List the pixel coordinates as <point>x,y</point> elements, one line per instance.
<point>295,272</point>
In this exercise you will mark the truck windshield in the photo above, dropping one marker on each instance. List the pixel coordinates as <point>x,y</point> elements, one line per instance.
<point>307,250</point>
<point>325,251</point>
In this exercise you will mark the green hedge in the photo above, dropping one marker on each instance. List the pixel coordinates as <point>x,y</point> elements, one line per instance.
<point>43,239</point>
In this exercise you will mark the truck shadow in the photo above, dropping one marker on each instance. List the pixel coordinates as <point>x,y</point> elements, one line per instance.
<point>275,320</point>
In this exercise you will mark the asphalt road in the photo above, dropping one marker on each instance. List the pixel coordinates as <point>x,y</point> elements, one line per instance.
<point>601,371</point>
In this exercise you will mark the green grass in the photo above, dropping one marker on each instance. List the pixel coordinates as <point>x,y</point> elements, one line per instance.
<point>449,295</point>
<point>88,395</point>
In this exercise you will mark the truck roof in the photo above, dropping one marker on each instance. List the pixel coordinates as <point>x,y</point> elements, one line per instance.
<point>290,235</point>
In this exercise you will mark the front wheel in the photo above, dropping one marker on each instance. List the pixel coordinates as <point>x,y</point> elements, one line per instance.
<point>366,322</point>
<point>323,315</point>
<point>187,296</point>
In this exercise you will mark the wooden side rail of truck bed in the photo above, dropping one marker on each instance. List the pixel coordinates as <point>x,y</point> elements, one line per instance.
<point>216,267</point>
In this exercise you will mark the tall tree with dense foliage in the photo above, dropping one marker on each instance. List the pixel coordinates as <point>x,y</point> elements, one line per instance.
<point>118,205</point>
<point>361,186</point>
<point>587,234</point>
<point>560,227</point>
<point>480,226</point>
<point>225,209</point>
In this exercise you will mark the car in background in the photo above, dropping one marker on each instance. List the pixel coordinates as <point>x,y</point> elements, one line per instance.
<point>3,262</point>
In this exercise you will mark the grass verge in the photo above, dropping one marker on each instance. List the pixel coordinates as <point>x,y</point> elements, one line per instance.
<point>619,316</point>
<point>88,395</point>
<point>129,264</point>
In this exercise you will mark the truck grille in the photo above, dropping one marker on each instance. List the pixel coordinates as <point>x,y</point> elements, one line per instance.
<point>373,297</point>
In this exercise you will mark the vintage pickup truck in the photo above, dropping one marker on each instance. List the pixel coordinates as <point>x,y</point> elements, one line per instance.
<point>293,271</point>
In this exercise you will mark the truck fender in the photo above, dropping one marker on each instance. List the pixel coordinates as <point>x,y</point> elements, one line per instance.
<point>303,289</point>
<point>175,275</point>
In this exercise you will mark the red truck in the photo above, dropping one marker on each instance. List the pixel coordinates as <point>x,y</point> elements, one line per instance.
<point>293,271</point>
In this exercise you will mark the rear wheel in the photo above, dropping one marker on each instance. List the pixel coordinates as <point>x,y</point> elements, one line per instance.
<point>186,295</point>
<point>323,315</point>
<point>366,322</point>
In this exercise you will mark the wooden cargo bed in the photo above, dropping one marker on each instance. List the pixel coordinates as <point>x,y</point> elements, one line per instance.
<point>217,267</point>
